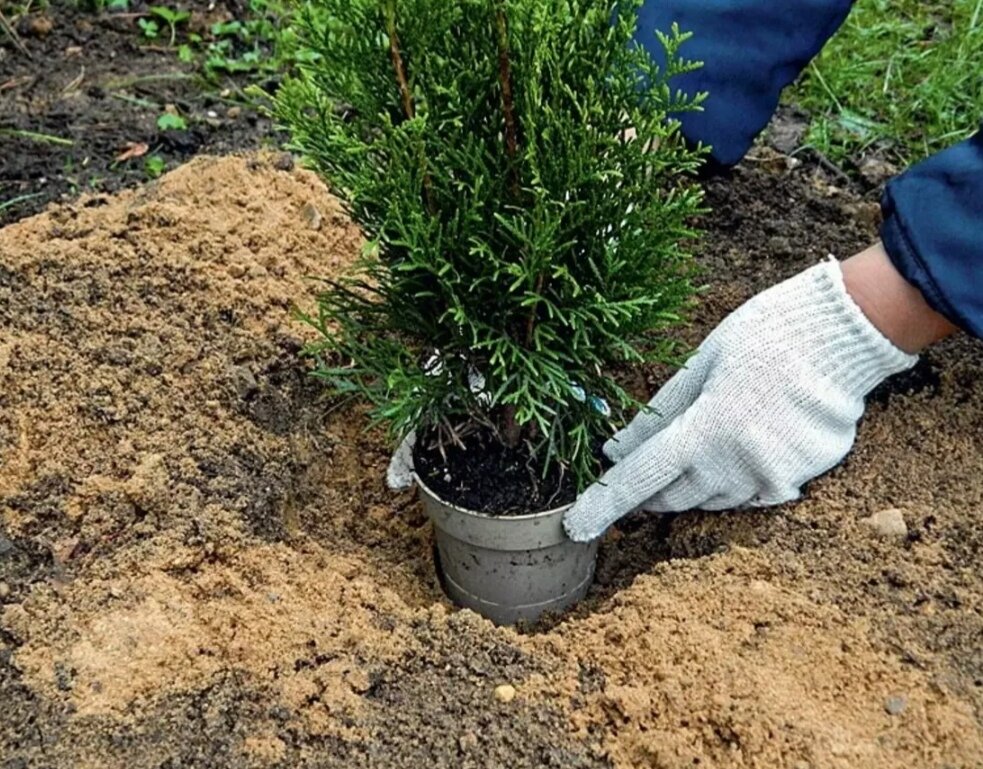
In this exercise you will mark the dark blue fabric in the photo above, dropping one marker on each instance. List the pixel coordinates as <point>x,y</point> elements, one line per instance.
<point>933,231</point>
<point>751,49</point>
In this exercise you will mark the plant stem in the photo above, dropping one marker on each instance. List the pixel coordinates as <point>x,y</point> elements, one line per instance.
<point>512,135</point>
<point>508,98</point>
<point>19,199</point>
<point>406,95</point>
<point>7,27</point>
<point>397,59</point>
<point>511,429</point>
<point>37,137</point>
<point>531,320</point>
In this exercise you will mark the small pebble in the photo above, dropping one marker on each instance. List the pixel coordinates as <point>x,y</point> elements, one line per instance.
<point>876,171</point>
<point>280,713</point>
<point>40,26</point>
<point>359,681</point>
<point>311,215</point>
<point>244,382</point>
<point>63,676</point>
<point>888,524</point>
<point>895,705</point>
<point>468,741</point>
<point>63,549</point>
<point>505,693</point>
<point>4,590</point>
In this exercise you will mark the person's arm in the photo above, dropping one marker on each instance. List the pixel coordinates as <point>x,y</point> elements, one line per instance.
<point>751,50</point>
<point>893,305</point>
<point>933,231</point>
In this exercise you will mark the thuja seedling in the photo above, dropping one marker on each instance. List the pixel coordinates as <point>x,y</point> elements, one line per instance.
<point>518,167</point>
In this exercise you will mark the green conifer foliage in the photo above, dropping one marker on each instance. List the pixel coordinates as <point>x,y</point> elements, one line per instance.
<point>527,200</point>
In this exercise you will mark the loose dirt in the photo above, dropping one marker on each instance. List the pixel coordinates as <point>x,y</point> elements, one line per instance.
<point>79,104</point>
<point>200,565</point>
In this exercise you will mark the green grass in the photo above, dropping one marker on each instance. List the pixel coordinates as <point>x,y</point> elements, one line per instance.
<point>903,77</point>
<point>15,201</point>
<point>35,136</point>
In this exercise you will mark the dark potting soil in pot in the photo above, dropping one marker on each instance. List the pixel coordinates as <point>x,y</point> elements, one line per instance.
<point>486,476</point>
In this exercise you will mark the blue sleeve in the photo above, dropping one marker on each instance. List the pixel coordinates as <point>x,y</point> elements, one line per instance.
<point>751,50</point>
<point>933,231</point>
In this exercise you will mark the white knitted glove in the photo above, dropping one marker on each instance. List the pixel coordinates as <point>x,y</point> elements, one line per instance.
<point>769,401</point>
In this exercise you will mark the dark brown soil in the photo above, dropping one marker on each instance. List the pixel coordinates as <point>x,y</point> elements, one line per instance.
<point>200,564</point>
<point>96,85</point>
<point>482,474</point>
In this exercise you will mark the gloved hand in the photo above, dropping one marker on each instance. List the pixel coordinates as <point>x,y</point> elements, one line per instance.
<point>770,400</point>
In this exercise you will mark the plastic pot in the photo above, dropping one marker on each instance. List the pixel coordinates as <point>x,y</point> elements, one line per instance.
<point>508,568</point>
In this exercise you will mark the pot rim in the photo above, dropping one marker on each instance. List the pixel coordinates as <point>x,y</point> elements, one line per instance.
<point>525,517</point>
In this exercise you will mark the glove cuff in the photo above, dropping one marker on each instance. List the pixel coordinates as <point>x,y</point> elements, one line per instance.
<point>843,345</point>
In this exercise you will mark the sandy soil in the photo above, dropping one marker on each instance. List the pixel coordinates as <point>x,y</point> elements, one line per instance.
<point>200,565</point>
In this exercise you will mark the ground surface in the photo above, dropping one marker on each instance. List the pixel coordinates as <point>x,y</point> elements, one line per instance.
<point>88,88</point>
<point>200,565</point>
